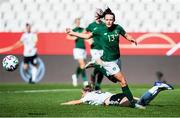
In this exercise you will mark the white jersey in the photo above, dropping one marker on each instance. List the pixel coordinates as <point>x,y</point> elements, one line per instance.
<point>96,97</point>
<point>29,40</point>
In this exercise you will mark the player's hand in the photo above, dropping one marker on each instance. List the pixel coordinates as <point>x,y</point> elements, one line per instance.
<point>134,41</point>
<point>130,38</point>
<point>68,30</point>
<point>65,103</point>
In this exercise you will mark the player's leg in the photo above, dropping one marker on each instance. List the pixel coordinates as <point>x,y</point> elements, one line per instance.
<point>93,77</point>
<point>76,75</point>
<point>148,96</point>
<point>96,78</point>
<point>122,82</point>
<point>117,99</point>
<point>26,67</point>
<point>99,80</point>
<point>95,54</point>
<point>99,73</point>
<point>108,70</point>
<point>79,55</point>
<point>78,71</point>
<point>114,68</point>
<point>83,71</point>
<point>34,63</point>
<point>76,55</point>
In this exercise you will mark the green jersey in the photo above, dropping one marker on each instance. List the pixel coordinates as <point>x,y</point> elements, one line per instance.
<point>110,41</point>
<point>93,26</point>
<point>79,41</point>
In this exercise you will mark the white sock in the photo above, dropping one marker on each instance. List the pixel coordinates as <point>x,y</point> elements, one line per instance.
<point>153,90</point>
<point>34,72</point>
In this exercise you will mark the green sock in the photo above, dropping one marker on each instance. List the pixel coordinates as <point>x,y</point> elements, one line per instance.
<point>78,71</point>
<point>83,72</point>
<point>97,84</point>
<point>95,72</point>
<point>129,95</point>
<point>99,77</point>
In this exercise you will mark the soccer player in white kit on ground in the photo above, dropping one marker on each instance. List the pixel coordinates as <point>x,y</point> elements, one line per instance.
<point>120,99</point>
<point>29,41</point>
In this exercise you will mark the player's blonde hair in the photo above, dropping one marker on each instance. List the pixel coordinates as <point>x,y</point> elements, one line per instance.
<point>87,88</point>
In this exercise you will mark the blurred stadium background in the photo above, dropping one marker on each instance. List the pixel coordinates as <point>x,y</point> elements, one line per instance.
<point>154,23</point>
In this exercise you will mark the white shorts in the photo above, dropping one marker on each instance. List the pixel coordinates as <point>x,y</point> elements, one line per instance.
<point>112,67</point>
<point>79,53</point>
<point>96,54</point>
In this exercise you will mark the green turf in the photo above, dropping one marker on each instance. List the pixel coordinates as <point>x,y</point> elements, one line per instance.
<point>19,100</point>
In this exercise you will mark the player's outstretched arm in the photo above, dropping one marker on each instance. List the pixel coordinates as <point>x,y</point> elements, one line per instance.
<point>9,48</point>
<point>130,38</point>
<point>77,34</point>
<point>5,49</point>
<point>71,37</point>
<point>73,102</point>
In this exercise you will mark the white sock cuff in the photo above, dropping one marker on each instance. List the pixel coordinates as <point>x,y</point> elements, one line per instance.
<point>34,72</point>
<point>153,90</point>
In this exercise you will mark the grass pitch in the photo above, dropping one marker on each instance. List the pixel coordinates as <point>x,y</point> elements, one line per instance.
<point>43,100</point>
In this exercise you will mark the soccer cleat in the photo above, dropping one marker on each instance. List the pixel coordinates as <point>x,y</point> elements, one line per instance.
<point>85,83</point>
<point>74,80</point>
<point>157,83</point>
<point>31,82</point>
<point>163,86</point>
<point>138,106</point>
<point>90,64</point>
<point>97,88</point>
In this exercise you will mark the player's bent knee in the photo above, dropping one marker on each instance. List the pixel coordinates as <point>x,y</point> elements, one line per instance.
<point>123,84</point>
<point>121,79</point>
<point>82,66</point>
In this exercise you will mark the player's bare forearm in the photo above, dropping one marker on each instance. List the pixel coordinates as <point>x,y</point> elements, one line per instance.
<point>71,37</point>
<point>130,38</point>
<point>9,48</point>
<point>81,35</point>
<point>77,34</point>
<point>2,50</point>
<point>16,45</point>
<point>73,102</point>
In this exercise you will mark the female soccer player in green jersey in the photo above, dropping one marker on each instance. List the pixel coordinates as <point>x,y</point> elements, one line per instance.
<point>110,60</point>
<point>79,53</point>
<point>96,48</point>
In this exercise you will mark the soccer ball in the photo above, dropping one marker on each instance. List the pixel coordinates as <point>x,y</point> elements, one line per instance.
<point>10,63</point>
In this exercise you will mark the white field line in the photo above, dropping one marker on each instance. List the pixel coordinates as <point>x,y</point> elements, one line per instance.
<point>41,91</point>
